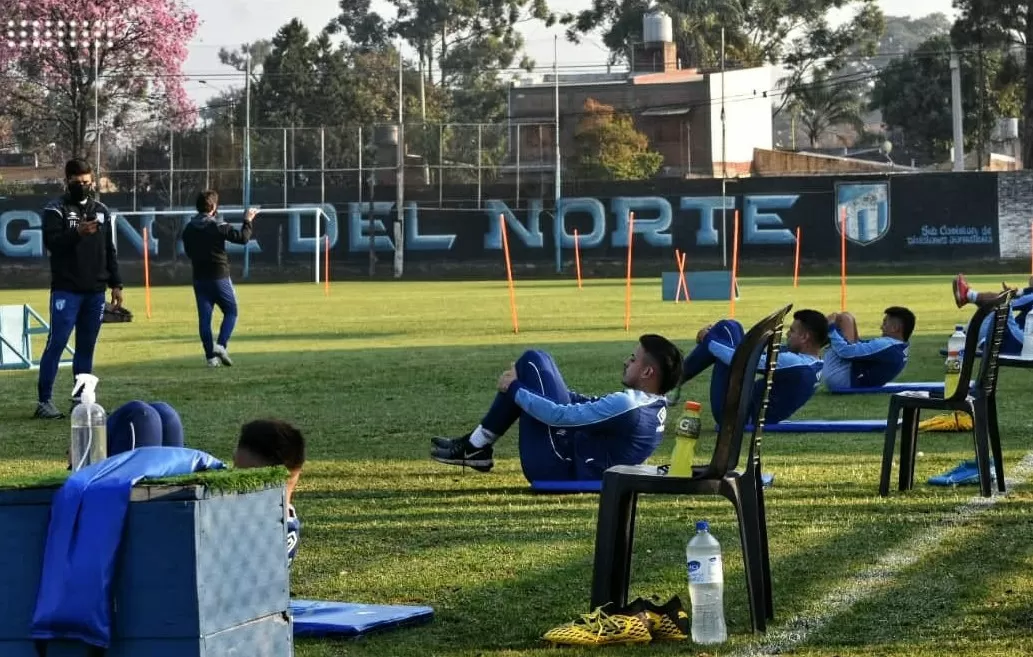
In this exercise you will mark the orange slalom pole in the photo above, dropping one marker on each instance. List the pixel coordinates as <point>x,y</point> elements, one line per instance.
<point>147,272</point>
<point>577,258</point>
<point>627,285</point>
<point>681,275</point>
<point>796,262</point>
<point>842,261</point>
<point>735,265</point>
<point>509,275</point>
<point>326,267</point>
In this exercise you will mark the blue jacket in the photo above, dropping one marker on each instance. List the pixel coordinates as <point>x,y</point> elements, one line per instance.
<point>796,378</point>
<point>873,362</point>
<point>621,428</point>
<point>86,520</point>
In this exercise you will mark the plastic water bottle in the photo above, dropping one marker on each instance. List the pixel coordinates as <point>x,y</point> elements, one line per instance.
<point>952,366</point>
<point>1027,339</point>
<point>706,586</point>
<point>686,435</point>
<point>89,425</point>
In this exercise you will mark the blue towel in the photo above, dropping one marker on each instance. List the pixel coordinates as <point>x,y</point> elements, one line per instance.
<point>86,520</point>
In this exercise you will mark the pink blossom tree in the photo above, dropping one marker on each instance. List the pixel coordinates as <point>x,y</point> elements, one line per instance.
<point>130,52</point>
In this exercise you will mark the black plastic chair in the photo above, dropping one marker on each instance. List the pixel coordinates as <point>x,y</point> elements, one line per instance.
<point>622,484</point>
<point>980,402</point>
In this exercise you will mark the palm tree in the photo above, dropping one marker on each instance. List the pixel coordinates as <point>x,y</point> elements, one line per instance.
<point>823,103</point>
<point>697,29</point>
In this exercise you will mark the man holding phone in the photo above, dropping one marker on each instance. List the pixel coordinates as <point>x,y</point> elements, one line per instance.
<point>79,233</point>
<point>204,240</point>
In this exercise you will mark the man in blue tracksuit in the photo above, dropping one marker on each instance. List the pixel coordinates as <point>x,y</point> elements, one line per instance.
<point>79,233</point>
<point>204,240</point>
<point>797,370</point>
<point>567,436</point>
<point>851,362</point>
<point>1021,304</point>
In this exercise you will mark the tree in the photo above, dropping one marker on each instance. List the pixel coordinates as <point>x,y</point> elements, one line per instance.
<point>824,103</point>
<point>461,45</point>
<point>914,94</point>
<point>138,68</point>
<point>608,147</point>
<point>986,26</point>
<point>795,34</point>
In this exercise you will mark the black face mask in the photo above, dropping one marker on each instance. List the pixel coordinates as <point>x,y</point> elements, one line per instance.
<point>79,192</point>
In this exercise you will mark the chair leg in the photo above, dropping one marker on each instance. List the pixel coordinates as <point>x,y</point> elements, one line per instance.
<point>613,541</point>
<point>908,448</point>
<point>765,554</point>
<point>980,436</point>
<point>745,502</point>
<point>888,447</point>
<point>994,433</point>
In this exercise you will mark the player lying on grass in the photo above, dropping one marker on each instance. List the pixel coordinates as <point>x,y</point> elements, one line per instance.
<point>568,436</point>
<point>851,362</point>
<point>1020,307</point>
<point>797,372</point>
<point>261,444</point>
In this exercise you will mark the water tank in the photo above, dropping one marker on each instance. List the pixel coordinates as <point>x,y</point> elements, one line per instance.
<point>657,28</point>
<point>386,135</point>
<point>1008,128</point>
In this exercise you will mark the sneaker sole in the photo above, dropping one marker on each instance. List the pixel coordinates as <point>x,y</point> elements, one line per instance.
<point>481,465</point>
<point>224,359</point>
<point>957,294</point>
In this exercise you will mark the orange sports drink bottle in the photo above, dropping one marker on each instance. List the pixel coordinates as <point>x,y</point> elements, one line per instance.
<point>686,436</point>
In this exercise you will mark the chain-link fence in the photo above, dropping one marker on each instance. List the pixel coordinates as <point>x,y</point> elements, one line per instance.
<point>343,162</point>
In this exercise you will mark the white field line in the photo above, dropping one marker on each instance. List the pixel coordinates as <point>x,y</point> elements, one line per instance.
<point>887,569</point>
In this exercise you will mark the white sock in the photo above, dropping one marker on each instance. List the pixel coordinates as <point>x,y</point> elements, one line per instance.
<point>481,437</point>
<point>972,296</point>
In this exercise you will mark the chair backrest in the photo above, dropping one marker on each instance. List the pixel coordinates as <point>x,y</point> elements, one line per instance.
<point>763,339</point>
<point>998,310</point>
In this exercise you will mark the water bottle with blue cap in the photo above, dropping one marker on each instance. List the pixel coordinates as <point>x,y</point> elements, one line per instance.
<point>706,586</point>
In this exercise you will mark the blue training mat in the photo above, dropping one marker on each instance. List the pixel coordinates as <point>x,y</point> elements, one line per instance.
<point>823,426</point>
<point>319,618</point>
<point>892,387</point>
<point>766,479</point>
<point>576,486</point>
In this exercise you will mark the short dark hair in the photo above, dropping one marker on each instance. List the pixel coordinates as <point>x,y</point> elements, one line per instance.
<point>814,323</point>
<point>207,201</point>
<point>274,441</point>
<point>905,317</point>
<point>666,355</point>
<point>77,167</point>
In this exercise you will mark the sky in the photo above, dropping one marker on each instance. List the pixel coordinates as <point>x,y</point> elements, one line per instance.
<point>230,23</point>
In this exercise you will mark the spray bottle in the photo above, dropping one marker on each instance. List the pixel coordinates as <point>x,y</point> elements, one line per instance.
<point>89,425</point>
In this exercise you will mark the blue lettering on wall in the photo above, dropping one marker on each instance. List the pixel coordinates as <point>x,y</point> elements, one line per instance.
<point>767,228</point>
<point>590,206</point>
<point>358,227</point>
<point>126,232</point>
<point>416,242</point>
<point>707,235</point>
<point>327,227</point>
<point>651,229</point>
<point>26,243</point>
<point>531,235</point>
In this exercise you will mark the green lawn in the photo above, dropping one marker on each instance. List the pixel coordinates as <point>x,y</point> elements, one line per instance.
<point>375,370</point>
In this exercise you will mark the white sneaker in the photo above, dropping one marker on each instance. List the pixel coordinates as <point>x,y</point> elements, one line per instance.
<point>214,362</point>
<point>222,355</point>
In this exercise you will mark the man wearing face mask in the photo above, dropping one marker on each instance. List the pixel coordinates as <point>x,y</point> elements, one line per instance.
<point>78,231</point>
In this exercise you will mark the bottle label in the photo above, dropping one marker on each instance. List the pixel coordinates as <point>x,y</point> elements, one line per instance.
<point>689,425</point>
<point>706,571</point>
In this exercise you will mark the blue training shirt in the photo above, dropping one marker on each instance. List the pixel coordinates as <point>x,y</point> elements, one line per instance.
<point>293,534</point>
<point>797,377</point>
<point>621,428</point>
<point>873,362</point>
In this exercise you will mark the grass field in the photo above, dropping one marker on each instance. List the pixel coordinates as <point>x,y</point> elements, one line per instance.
<point>372,372</point>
